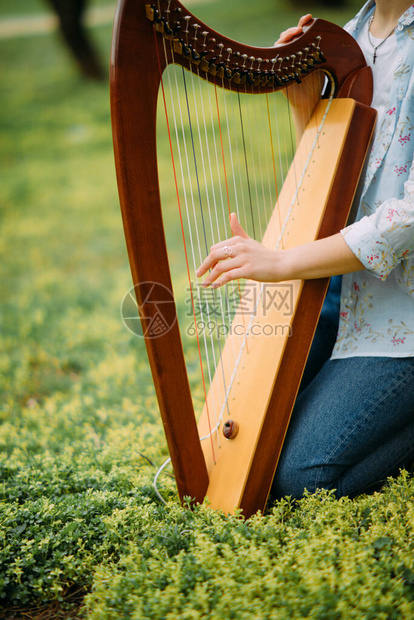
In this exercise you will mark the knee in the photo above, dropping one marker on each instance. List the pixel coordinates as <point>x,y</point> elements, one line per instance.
<point>291,481</point>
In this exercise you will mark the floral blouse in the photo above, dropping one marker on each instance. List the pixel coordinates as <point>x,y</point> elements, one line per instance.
<point>377,304</point>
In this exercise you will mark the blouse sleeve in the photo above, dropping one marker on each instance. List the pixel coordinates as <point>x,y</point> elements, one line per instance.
<point>382,240</point>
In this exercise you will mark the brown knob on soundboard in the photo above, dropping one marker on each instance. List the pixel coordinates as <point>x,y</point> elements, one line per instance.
<point>230,429</point>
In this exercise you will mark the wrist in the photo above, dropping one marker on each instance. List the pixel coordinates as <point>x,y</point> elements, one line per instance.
<point>285,265</point>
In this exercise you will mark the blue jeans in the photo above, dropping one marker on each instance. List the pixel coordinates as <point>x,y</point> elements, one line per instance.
<point>352,425</point>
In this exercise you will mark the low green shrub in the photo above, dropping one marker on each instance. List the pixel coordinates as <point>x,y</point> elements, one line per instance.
<point>320,558</point>
<point>53,526</point>
<point>70,526</point>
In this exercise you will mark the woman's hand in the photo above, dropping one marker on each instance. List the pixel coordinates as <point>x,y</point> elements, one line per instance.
<point>238,257</point>
<point>291,33</point>
<point>242,257</point>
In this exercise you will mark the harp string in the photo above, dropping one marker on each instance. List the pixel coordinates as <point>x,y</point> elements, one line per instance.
<point>224,92</point>
<point>198,235</point>
<point>281,169</point>
<point>246,164</point>
<point>241,212</point>
<point>272,149</point>
<point>222,149</point>
<point>215,295</point>
<point>268,197</point>
<point>224,167</point>
<point>210,350</point>
<point>254,176</point>
<point>257,172</point>
<point>226,305</point>
<point>227,185</point>
<point>224,292</point>
<point>291,136</point>
<point>259,111</point>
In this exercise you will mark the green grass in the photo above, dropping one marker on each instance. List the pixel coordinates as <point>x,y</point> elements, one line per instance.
<point>80,431</point>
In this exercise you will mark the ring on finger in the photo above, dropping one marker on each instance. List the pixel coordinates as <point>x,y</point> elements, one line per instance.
<point>228,251</point>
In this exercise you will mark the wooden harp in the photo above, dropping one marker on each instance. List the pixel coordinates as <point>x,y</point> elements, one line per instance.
<point>234,470</point>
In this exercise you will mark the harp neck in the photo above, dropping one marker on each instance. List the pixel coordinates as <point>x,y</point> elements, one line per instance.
<point>236,66</point>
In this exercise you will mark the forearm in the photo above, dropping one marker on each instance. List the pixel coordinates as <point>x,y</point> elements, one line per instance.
<point>318,259</point>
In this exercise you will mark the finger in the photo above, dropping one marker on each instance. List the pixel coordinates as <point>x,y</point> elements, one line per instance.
<point>222,244</point>
<point>305,19</point>
<point>288,35</point>
<point>217,254</point>
<point>209,262</point>
<point>227,243</point>
<point>294,31</point>
<point>219,269</point>
<point>229,276</point>
<point>236,228</point>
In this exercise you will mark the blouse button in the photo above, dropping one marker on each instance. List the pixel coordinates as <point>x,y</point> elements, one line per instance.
<point>400,27</point>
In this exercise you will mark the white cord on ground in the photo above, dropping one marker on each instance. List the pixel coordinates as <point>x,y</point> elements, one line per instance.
<point>157,475</point>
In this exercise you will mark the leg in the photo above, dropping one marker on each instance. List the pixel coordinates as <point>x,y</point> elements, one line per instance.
<point>351,428</point>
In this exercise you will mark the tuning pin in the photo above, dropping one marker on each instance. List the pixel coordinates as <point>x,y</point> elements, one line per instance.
<point>196,27</point>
